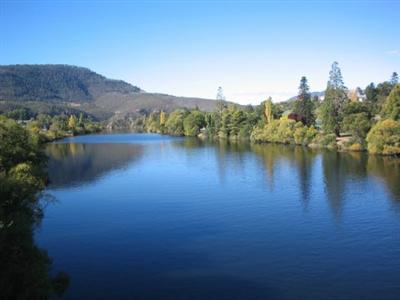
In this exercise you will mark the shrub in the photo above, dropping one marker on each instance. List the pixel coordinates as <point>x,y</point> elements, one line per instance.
<point>284,131</point>
<point>324,140</point>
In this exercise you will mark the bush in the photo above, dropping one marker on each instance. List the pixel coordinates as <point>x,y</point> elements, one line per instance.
<point>356,147</point>
<point>304,135</point>
<point>384,138</point>
<point>324,140</point>
<point>284,131</point>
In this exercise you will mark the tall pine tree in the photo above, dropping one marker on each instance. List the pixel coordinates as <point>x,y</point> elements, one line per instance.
<point>304,104</point>
<point>334,102</point>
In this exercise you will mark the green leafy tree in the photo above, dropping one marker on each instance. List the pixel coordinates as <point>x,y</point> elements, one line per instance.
<point>174,124</point>
<point>44,120</point>
<point>24,267</point>
<point>384,138</point>
<point>358,125</point>
<point>193,122</point>
<point>391,107</point>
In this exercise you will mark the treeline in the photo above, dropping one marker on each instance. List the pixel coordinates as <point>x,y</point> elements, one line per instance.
<point>25,269</point>
<point>358,120</point>
<point>49,128</point>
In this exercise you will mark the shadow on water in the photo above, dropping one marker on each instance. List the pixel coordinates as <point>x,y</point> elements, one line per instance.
<point>300,158</point>
<point>338,169</point>
<point>228,153</point>
<point>25,269</point>
<point>76,163</point>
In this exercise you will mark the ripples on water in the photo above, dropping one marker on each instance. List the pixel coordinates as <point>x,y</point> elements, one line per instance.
<point>153,217</point>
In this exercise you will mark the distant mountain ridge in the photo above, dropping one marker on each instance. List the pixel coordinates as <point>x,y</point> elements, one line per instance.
<point>48,88</point>
<point>319,94</point>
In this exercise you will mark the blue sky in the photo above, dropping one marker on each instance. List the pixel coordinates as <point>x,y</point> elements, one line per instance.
<point>253,49</point>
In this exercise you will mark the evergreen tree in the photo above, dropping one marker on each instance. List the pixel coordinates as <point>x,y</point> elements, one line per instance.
<point>303,105</point>
<point>371,93</point>
<point>335,99</point>
<point>395,79</point>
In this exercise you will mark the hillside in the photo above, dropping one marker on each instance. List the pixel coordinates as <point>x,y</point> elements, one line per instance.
<point>58,88</point>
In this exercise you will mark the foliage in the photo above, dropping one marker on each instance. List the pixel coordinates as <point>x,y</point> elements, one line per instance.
<point>391,107</point>
<point>324,140</point>
<point>174,124</point>
<point>268,111</point>
<point>284,131</point>
<point>193,122</point>
<point>335,100</point>
<point>358,125</point>
<point>25,269</point>
<point>394,80</point>
<point>303,104</point>
<point>304,135</point>
<point>72,122</point>
<point>384,138</point>
<point>21,113</point>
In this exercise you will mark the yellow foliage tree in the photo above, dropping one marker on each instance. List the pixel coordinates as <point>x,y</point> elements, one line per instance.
<point>163,118</point>
<point>268,111</point>
<point>72,122</point>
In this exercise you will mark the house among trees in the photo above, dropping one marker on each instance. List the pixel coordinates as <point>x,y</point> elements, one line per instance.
<point>356,95</point>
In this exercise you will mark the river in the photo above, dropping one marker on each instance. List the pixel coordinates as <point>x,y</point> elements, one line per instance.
<point>140,216</point>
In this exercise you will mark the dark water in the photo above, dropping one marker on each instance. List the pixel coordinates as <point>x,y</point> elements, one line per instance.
<point>153,217</point>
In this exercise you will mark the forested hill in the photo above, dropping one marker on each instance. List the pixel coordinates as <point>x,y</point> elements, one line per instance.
<point>65,88</point>
<point>55,83</point>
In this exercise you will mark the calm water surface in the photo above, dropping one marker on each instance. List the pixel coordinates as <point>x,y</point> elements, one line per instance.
<point>154,217</point>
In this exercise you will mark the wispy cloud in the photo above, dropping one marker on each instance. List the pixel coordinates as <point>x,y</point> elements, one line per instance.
<point>395,52</point>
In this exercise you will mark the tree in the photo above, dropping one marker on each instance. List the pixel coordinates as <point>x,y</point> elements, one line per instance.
<point>371,93</point>
<point>395,79</point>
<point>72,122</point>
<point>268,111</point>
<point>193,122</point>
<point>304,105</point>
<point>44,120</point>
<point>221,105</point>
<point>81,120</point>
<point>391,107</point>
<point>358,125</point>
<point>163,118</point>
<point>220,94</point>
<point>384,138</point>
<point>174,124</point>
<point>335,99</point>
